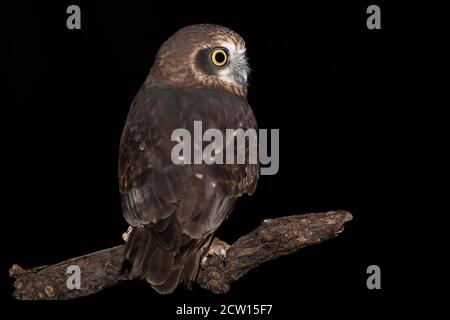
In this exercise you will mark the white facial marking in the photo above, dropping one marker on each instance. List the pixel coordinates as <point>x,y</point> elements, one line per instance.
<point>237,63</point>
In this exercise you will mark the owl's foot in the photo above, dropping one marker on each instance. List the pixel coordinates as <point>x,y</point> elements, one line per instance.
<point>126,234</point>
<point>217,248</point>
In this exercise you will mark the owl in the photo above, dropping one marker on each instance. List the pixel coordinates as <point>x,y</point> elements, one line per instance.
<point>199,74</point>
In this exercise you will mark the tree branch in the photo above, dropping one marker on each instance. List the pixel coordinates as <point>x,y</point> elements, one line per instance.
<point>102,269</point>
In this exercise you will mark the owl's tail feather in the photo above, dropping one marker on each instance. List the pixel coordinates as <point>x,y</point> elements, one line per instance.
<point>157,266</point>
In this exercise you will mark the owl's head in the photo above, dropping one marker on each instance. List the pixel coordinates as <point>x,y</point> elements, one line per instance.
<point>203,55</point>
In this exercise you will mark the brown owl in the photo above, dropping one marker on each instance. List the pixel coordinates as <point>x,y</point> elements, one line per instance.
<point>199,74</point>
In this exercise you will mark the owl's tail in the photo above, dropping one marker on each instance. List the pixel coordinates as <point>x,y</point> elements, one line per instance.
<point>160,268</point>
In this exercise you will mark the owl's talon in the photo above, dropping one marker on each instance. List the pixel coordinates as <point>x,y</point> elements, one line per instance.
<point>203,261</point>
<point>223,255</point>
<point>217,248</point>
<point>126,234</point>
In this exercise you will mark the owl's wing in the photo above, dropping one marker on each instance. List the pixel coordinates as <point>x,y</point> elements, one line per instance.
<point>176,207</point>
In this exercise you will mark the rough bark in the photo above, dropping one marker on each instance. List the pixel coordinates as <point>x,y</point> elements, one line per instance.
<point>102,269</point>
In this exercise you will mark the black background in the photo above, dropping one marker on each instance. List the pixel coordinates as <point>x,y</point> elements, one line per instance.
<point>346,100</point>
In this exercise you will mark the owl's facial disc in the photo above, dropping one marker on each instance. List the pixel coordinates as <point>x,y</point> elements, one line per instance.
<point>236,69</point>
<point>225,62</point>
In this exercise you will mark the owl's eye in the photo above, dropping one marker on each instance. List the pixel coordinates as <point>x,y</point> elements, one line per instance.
<point>219,57</point>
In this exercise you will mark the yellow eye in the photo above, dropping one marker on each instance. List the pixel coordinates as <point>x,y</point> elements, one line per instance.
<point>219,57</point>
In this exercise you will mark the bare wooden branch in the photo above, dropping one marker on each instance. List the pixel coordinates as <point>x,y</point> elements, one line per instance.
<point>102,269</point>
